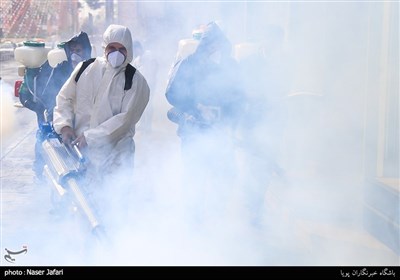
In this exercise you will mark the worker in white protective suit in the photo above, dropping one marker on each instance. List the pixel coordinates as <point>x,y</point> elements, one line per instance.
<point>99,106</point>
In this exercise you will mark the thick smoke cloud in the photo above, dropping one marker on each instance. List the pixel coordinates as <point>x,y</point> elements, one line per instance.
<point>307,200</point>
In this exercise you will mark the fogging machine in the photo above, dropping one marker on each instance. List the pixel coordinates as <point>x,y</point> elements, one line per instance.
<point>65,167</point>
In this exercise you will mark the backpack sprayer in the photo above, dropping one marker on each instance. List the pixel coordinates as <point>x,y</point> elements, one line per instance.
<point>65,167</point>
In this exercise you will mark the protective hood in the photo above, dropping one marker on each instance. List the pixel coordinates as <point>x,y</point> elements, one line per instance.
<point>83,39</point>
<point>119,34</point>
<point>214,34</point>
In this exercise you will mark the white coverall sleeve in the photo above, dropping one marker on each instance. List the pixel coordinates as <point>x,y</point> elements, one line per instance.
<point>65,101</point>
<point>119,126</point>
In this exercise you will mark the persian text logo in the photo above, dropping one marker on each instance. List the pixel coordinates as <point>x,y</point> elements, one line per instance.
<point>8,257</point>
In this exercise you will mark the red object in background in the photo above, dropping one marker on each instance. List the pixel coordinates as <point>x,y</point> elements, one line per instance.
<point>17,85</point>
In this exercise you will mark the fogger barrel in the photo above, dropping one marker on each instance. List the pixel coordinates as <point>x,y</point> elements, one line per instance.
<point>63,168</point>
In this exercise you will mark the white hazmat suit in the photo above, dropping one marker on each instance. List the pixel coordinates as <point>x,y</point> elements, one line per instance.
<point>98,107</point>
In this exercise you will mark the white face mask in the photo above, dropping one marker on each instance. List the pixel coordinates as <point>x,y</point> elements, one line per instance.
<point>116,58</point>
<point>76,58</point>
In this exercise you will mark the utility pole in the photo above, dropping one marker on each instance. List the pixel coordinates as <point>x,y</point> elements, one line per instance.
<point>109,12</point>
